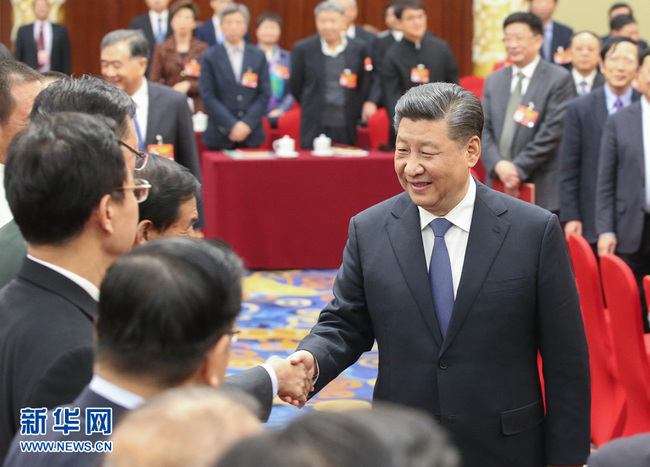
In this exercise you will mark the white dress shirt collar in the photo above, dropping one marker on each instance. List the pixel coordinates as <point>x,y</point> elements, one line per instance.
<point>153,17</point>
<point>82,282</point>
<point>528,72</point>
<point>456,237</point>
<point>611,96</point>
<point>351,32</point>
<point>5,212</point>
<point>397,35</point>
<point>336,52</point>
<point>114,393</point>
<point>589,79</point>
<point>141,100</point>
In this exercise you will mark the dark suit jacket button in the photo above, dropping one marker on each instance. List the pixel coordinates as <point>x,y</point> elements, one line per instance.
<point>438,418</point>
<point>443,364</point>
<point>240,97</point>
<point>240,113</point>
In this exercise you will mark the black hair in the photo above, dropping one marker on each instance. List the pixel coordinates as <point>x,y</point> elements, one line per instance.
<point>534,22</point>
<point>12,73</point>
<point>171,185</point>
<point>164,305</point>
<point>58,170</point>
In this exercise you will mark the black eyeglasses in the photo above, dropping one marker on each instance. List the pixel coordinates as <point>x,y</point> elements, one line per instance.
<point>140,156</point>
<point>140,189</point>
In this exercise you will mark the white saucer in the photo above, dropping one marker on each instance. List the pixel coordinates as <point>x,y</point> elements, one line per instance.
<point>286,155</point>
<point>322,153</point>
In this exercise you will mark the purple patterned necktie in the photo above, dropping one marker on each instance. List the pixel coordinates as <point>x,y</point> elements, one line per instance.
<point>618,104</point>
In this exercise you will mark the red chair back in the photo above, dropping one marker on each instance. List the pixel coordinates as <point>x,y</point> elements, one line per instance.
<point>622,297</point>
<point>289,124</point>
<point>526,190</point>
<point>472,83</point>
<point>378,128</point>
<point>646,290</point>
<point>607,395</point>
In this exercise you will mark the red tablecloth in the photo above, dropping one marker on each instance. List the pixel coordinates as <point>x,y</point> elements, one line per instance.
<point>291,213</point>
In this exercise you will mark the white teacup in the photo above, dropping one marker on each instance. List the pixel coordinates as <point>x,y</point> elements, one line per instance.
<point>322,144</point>
<point>200,121</point>
<point>285,145</point>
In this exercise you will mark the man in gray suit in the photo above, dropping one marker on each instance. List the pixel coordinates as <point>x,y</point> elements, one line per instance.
<point>524,108</point>
<point>460,315</point>
<point>622,193</point>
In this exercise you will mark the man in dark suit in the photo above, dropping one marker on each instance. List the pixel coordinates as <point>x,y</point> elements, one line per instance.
<point>352,31</point>
<point>630,452</point>
<point>583,128</point>
<point>329,79</point>
<point>43,45</point>
<point>524,108</point>
<point>47,312</point>
<point>162,114</point>
<point>461,340</point>
<point>210,31</point>
<point>622,194</point>
<point>145,348</point>
<point>155,24</point>
<point>234,86</point>
<point>585,58</point>
<point>557,36</point>
<point>418,58</point>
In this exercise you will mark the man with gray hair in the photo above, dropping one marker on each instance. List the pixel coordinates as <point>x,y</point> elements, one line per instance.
<point>234,85</point>
<point>162,114</point>
<point>329,79</point>
<point>462,287</point>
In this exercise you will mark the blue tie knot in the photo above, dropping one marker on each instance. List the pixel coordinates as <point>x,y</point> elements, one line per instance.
<point>440,226</point>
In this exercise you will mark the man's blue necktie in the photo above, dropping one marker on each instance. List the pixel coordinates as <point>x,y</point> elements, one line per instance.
<point>161,34</point>
<point>442,285</point>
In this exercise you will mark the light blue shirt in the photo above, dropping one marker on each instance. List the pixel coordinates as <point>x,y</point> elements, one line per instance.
<point>610,99</point>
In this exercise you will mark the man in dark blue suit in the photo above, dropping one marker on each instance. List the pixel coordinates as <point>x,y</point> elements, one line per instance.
<point>557,36</point>
<point>43,45</point>
<point>585,61</point>
<point>155,24</point>
<point>461,287</point>
<point>623,196</point>
<point>235,86</point>
<point>583,128</point>
<point>150,337</point>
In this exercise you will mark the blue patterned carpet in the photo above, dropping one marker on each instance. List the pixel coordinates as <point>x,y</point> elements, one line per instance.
<point>280,307</point>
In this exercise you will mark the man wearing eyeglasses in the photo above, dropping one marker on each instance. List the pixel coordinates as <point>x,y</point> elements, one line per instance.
<point>524,108</point>
<point>623,186</point>
<point>76,203</point>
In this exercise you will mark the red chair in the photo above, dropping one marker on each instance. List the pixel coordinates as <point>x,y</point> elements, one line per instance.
<point>472,83</point>
<point>289,124</point>
<point>607,395</point>
<point>526,190</point>
<point>378,128</point>
<point>622,297</point>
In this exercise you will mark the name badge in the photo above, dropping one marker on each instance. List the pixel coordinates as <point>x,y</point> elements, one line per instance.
<point>420,74</point>
<point>280,71</point>
<point>367,64</point>
<point>191,69</point>
<point>562,57</point>
<point>249,79</point>
<point>165,150</point>
<point>526,116</point>
<point>348,79</point>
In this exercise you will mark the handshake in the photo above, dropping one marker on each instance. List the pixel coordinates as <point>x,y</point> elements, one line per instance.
<point>295,376</point>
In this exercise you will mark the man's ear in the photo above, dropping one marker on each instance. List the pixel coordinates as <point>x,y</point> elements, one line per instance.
<point>143,234</point>
<point>103,213</point>
<point>473,151</point>
<point>215,362</point>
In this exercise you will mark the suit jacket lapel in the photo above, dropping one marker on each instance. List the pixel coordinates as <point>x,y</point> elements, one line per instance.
<point>406,240</point>
<point>152,116</point>
<point>502,95</point>
<point>486,236</point>
<point>599,108</point>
